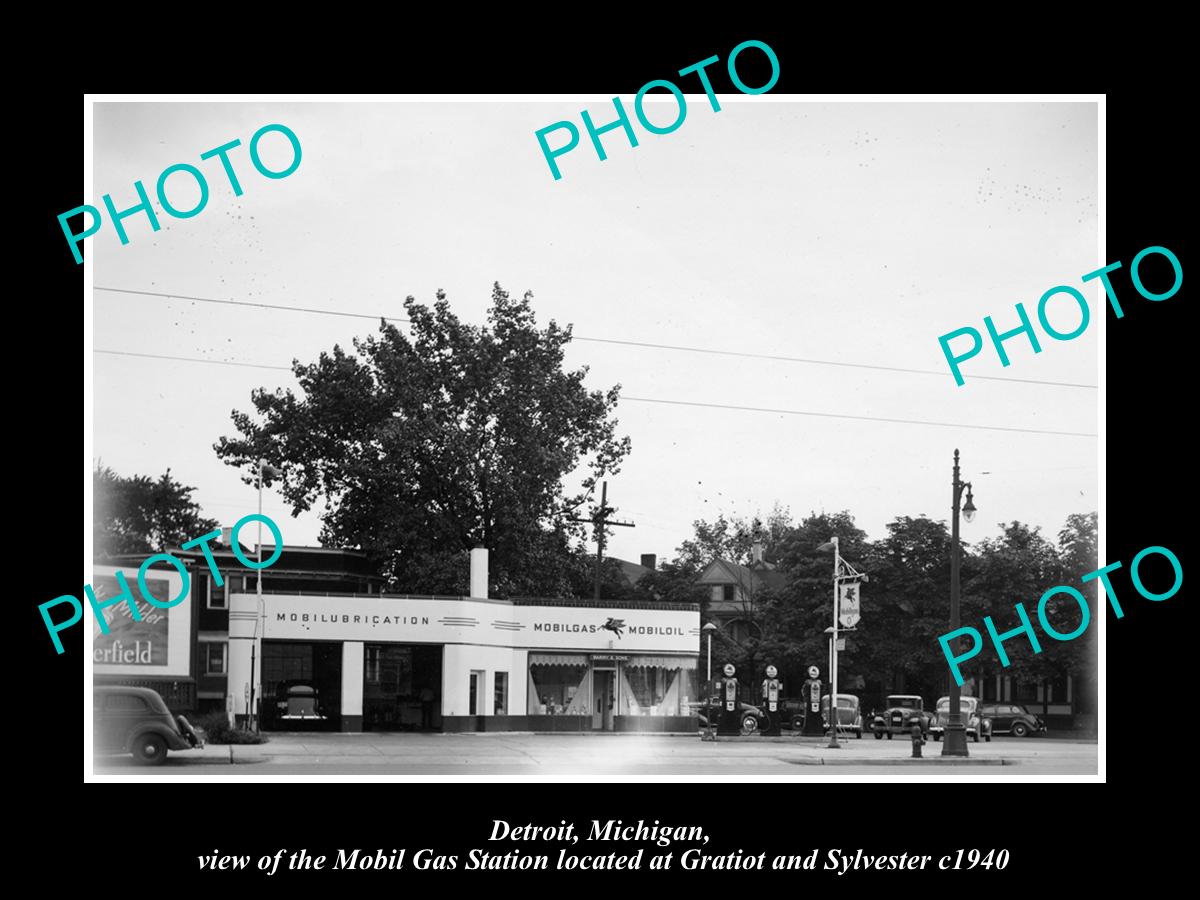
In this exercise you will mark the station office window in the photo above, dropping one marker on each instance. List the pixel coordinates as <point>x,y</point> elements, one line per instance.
<point>214,657</point>
<point>501,694</point>
<point>371,663</point>
<point>218,596</point>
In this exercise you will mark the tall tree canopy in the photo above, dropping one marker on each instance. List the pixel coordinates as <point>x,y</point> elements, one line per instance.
<point>905,606</point>
<point>1019,565</point>
<point>141,515</point>
<point>732,539</point>
<point>424,446</point>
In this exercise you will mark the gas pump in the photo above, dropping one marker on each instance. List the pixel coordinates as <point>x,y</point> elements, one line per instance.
<point>730,717</point>
<point>812,703</point>
<point>771,689</point>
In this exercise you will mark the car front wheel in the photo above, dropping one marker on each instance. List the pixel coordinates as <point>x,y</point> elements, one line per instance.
<point>150,750</point>
<point>749,725</point>
<point>1020,729</point>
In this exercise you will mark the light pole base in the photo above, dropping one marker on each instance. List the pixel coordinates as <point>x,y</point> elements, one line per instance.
<point>954,742</point>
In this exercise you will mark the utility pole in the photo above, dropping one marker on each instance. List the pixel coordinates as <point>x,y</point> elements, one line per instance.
<point>600,518</point>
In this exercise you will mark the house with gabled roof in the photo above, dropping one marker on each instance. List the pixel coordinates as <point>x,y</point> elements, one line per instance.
<point>735,587</point>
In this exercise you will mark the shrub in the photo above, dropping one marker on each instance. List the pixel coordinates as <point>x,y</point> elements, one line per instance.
<point>214,727</point>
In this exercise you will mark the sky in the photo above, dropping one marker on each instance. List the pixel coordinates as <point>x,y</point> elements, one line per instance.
<point>847,232</point>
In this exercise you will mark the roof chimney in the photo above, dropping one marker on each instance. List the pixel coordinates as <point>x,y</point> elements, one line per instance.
<point>650,561</point>
<point>479,572</point>
<point>756,549</point>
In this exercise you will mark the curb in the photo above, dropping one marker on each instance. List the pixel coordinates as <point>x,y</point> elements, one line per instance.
<point>797,741</point>
<point>901,761</point>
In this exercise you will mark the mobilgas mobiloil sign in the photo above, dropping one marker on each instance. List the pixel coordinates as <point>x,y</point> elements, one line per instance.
<point>467,621</point>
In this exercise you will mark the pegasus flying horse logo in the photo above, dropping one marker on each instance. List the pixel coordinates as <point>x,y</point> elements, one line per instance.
<point>616,626</point>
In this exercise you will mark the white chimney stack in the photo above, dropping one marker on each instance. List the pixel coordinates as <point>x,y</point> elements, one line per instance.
<point>756,549</point>
<point>479,572</point>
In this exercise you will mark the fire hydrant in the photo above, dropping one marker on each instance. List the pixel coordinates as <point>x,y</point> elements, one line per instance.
<point>917,740</point>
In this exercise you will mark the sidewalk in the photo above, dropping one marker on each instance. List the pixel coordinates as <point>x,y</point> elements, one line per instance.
<point>507,748</point>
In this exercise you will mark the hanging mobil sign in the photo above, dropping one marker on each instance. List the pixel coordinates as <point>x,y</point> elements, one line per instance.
<point>849,604</point>
<point>159,644</point>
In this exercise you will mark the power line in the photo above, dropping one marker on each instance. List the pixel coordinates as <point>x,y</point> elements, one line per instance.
<point>787,412</point>
<point>675,347</point>
<point>825,362</point>
<point>213,362</point>
<point>250,303</point>
<point>801,412</point>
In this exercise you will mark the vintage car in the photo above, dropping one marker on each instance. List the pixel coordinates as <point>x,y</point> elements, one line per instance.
<point>136,720</point>
<point>1009,718</point>
<point>849,714</point>
<point>977,726</point>
<point>754,719</point>
<point>297,703</point>
<point>902,710</point>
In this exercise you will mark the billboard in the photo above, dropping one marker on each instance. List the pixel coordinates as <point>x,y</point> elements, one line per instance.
<point>159,643</point>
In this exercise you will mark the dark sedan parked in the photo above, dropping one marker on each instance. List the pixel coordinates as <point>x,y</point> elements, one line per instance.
<point>755,719</point>
<point>136,720</point>
<point>1009,718</point>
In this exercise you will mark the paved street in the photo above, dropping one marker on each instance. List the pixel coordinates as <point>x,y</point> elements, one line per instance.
<point>600,755</point>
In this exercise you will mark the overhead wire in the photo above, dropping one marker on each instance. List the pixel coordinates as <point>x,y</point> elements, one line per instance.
<point>790,412</point>
<point>597,340</point>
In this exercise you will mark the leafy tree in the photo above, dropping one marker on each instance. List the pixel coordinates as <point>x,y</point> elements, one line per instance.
<point>795,615</point>
<point>138,514</point>
<point>423,447</point>
<point>1019,566</point>
<point>733,538</point>
<point>1077,545</point>
<point>906,607</point>
<point>1079,554</point>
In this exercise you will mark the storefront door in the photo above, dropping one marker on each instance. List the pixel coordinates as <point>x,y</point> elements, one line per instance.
<point>603,699</point>
<point>476,698</point>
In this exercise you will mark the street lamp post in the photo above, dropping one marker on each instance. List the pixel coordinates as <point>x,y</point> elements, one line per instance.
<point>833,677</point>
<point>829,649</point>
<point>253,719</point>
<point>258,625</point>
<point>954,739</point>
<point>839,576</point>
<point>709,629</point>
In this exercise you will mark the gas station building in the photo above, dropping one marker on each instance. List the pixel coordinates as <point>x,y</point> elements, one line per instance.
<point>382,662</point>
